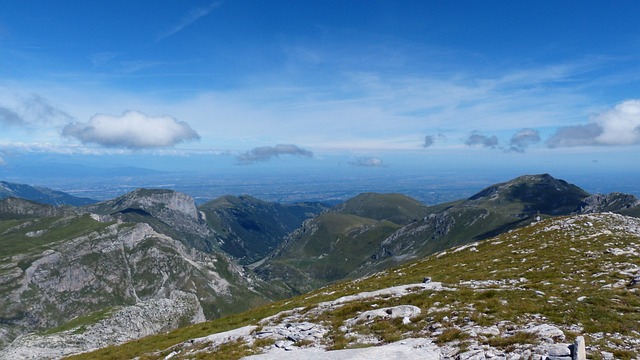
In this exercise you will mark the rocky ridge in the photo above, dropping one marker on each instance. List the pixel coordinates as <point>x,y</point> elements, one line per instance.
<point>293,336</point>
<point>12,207</point>
<point>172,209</point>
<point>609,202</point>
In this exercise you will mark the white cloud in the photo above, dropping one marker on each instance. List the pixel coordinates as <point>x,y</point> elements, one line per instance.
<point>133,130</point>
<point>616,127</point>
<point>621,125</point>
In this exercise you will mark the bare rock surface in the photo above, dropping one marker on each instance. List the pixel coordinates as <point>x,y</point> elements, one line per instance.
<point>131,322</point>
<point>409,349</point>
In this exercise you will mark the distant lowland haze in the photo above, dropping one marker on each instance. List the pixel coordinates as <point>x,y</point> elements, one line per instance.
<point>285,99</point>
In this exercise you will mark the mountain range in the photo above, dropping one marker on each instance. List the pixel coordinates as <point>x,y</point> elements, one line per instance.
<point>82,270</point>
<point>41,194</point>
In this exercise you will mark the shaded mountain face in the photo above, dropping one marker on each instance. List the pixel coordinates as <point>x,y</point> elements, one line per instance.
<point>248,228</point>
<point>41,195</point>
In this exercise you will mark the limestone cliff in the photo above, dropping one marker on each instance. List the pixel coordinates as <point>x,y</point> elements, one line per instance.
<point>56,269</point>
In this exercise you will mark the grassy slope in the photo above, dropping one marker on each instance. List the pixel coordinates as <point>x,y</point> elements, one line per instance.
<point>327,249</point>
<point>397,208</point>
<point>573,280</point>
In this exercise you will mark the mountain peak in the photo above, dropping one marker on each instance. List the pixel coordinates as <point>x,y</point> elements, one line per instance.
<point>542,193</point>
<point>158,207</point>
<point>163,198</point>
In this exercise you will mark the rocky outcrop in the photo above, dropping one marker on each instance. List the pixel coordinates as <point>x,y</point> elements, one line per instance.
<point>614,202</point>
<point>171,208</point>
<point>115,264</point>
<point>128,323</point>
<point>294,335</point>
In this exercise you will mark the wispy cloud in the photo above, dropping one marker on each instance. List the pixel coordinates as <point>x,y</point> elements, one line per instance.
<point>615,127</point>
<point>133,130</point>
<point>264,153</point>
<point>131,66</point>
<point>37,109</point>
<point>32,112</point>
<point>367,162</point>
<point>9,117</point>
<point>188,19</point>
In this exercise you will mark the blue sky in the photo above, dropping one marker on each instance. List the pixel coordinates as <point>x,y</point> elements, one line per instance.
<point>538,86</point>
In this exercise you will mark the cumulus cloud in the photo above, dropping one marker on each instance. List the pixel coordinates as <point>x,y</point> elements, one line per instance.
<point>133,130</point>
<point>477,139</point>
<point>523,139</point>
<point>367,162</point>
<point>615,127</point>
<point>264,153</point>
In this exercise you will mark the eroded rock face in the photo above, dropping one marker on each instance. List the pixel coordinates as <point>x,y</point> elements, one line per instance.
<point>119,264</point>
<point>128,323</point>
<point>610,202</point>
<point>172,208</point>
